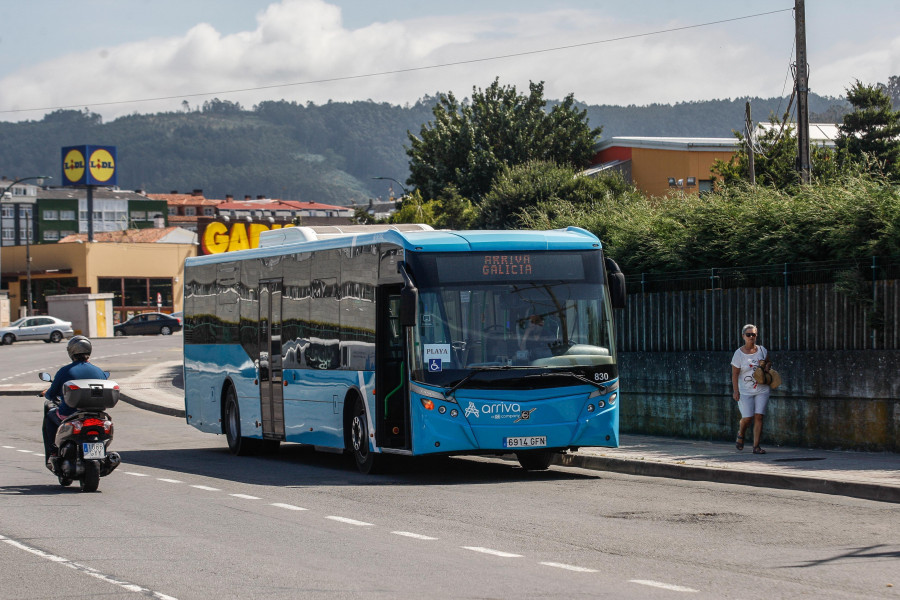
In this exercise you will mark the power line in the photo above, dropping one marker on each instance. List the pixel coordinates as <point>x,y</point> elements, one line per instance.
<point>400,71</point>
<point>786,76</point>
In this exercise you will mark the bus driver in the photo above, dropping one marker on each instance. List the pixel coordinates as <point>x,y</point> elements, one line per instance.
<point>537,339</point>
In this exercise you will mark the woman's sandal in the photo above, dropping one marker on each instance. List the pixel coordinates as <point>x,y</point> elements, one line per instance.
<point>758,450</point>
<point>740,442</point>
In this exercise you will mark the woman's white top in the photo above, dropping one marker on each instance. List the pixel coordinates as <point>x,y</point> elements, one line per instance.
<point>746,363</point>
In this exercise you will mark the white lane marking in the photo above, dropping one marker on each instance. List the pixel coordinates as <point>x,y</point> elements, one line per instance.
<point>665,586</point>
<point>207,488</point>
<point>108,356</point>
<point>25,451</point>
<point>131,587</point>
<point>245,496</point>
<point>135,474</point>
<point>417,536</point>
<point>10,447</point>
<point>24,373</point>
<point>288,506</point>
<point>569,567</point>
<point>493,552</point>
<point>350,521</point>
<point>168,480</point>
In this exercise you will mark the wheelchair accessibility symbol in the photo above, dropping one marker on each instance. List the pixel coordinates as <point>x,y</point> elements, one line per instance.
<point>434,365</point>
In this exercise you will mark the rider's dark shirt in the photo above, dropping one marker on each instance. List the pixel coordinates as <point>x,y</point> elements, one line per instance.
<point>74,370</point>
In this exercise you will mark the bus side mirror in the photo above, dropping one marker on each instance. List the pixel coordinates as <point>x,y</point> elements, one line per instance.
<point>409,301</point>
<point>409,298</point>
<point>615,281</point>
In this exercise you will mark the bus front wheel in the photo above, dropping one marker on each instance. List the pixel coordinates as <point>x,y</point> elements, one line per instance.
<point>366,461</point>
<point>535,460</point>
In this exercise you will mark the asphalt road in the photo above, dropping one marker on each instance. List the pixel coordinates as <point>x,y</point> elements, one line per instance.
<point>124,356</point>
<point>182,518</point>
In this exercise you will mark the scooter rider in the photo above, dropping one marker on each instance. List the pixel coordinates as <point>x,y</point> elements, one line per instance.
<point>79,349</point>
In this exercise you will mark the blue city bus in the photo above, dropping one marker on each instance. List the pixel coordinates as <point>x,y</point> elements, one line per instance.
<point>403,340</point>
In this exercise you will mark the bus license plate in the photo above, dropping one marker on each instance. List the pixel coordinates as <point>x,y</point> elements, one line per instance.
<point>534,441</point>
<point>94,450</point>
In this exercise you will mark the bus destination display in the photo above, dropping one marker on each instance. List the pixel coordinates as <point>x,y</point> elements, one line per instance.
<point>510,265</point>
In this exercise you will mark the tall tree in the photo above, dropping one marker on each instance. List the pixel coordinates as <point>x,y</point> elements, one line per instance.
<point>873,128</point>
<point>518,190</point>
<point>775,157</point>
<point>892,89</point>
<point>468,143</point>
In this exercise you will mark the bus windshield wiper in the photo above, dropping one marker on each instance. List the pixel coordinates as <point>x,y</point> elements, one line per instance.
<point>597,384</point>
<point>475,371</point>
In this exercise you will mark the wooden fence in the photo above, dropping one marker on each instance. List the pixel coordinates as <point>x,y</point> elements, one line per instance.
<point>810,316</point>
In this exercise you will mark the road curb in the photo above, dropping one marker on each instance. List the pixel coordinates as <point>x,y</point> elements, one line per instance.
<point>19,392</point>
<point>149,406</point>
<point>865,491</point>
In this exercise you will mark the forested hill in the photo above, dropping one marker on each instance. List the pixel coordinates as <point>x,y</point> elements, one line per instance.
<point>323,153</point>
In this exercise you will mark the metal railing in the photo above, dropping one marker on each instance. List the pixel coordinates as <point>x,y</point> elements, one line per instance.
<point>828,305</point>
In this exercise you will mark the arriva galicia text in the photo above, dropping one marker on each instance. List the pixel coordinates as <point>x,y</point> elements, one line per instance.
<point>507,264</point>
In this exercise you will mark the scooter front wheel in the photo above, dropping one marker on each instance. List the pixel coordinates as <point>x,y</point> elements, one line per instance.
<point>64,481</point>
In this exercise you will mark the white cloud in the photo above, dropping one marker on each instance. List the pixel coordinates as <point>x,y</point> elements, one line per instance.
<point>869,64</point>
<point>306,40</point>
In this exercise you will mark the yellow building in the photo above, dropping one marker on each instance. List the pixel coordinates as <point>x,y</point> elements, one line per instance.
<point>143,275</point>
<point>660,165</point>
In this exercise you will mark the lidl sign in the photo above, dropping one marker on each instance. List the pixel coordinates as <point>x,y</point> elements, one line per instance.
<point>89,165</point>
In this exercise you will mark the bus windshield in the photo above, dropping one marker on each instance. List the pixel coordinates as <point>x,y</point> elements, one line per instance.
<point>552,316</point>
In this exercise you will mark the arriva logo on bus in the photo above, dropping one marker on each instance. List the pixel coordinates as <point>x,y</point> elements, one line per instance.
<point>221,237</point>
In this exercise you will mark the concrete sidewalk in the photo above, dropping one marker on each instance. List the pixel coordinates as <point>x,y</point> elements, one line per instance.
<point>868,475</point>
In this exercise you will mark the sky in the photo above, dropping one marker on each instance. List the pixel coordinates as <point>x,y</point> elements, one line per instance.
<point>121,57</point>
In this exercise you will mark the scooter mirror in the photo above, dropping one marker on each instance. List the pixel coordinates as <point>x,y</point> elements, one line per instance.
<point>45,376</point>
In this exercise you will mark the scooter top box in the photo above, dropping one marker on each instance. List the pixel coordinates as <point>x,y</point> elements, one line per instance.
<point>91,394</point>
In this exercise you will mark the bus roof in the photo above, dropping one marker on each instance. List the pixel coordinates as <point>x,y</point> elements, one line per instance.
<point>411,237</point>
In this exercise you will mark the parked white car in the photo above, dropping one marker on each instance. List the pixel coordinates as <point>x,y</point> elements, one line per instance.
<point>48,329</point>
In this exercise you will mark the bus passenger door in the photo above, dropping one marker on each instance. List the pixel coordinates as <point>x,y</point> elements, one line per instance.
<point>271,392</point>
<point>391,372</point>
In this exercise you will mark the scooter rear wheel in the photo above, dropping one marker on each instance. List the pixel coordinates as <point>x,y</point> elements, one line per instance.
<point>90,481</point>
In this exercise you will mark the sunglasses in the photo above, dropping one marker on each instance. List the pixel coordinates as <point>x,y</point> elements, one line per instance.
<point>750,334</point>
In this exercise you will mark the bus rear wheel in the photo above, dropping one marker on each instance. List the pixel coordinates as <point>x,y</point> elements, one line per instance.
<point>535,460</point>
<point>239,446</point>
<point>366,461</point>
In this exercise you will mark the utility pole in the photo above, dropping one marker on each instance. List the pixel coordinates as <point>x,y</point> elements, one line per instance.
<point>750,152</point>
<point>802,87</point>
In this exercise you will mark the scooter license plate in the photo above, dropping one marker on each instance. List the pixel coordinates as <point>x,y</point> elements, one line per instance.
<point>93,450</point>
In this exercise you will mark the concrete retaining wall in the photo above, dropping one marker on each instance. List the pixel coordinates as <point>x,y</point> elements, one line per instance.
<point>834,400</point>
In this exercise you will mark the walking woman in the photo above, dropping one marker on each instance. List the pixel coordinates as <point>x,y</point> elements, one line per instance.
<point>750,395</point>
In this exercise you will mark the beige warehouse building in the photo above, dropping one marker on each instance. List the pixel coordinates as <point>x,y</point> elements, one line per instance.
<point>144,271</point>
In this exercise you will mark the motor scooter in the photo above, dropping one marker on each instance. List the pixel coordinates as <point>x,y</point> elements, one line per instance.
<point>83,438</point>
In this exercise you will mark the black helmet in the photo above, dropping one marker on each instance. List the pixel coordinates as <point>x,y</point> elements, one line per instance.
<point>79,348</point>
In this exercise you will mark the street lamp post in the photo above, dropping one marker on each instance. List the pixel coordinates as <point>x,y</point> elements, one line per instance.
<point>28,224</point>
<point>6,192</point>
<point>402,187</point>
